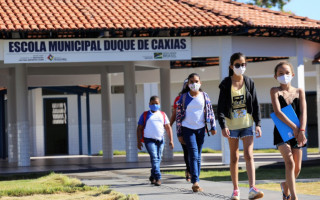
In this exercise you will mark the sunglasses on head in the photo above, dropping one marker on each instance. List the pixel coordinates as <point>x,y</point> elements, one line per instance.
<point>237,65</point>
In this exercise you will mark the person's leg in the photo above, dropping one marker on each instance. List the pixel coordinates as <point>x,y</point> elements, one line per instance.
<point>234,159</point>
<point>151,148</point>
<point>190,140</point>
<point>200,139</point>
<point>287,155</point>
<point>159,149</point>
<point>186,160</point>
<point>248,156</point>
<point>297,157</point>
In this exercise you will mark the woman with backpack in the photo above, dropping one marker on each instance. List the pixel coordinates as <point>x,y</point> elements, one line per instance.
<point>193,112</point>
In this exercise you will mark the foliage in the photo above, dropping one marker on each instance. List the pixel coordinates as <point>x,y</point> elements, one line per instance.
<point>269,3</point>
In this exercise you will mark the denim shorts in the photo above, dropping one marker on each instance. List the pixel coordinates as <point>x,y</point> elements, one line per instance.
<point>292,143</point>
<point>244,132</point>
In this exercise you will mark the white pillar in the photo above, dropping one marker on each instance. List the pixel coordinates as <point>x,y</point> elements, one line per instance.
<point>318,102</point>
<point>224,62</point>
<point>36,122</point>
<point>106,114</point>
<point>165,88</point>
<point>12,119</point>
<point>299,79</point>
<point>22,115</point>
<point>130,112</point>
<point>149,89</point>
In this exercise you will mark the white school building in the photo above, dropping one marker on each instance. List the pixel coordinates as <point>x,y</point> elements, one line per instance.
<point>78,83</point>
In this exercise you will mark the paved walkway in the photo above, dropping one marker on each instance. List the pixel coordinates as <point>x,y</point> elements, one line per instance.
<point>135,181</point>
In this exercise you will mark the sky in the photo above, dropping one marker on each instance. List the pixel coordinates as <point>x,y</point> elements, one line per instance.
<point>305,8</point>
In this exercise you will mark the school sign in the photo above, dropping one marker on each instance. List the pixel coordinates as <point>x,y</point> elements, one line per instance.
<point>96,50</point>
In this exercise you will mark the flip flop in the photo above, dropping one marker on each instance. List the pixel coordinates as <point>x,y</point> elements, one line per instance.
<point>284,196</point>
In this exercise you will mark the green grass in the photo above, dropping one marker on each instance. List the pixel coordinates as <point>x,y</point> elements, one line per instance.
<point>54,185</point>
<point>209,150</point>
<point>49,184</point>
<point>261,174</point>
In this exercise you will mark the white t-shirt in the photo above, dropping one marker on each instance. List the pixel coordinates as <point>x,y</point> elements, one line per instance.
<point>154,125</point>
<point>194,118</point>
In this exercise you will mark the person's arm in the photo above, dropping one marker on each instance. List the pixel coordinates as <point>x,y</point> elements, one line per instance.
<point>211,116</point>
<point>277,111</point>
<point>221,117</point>
<point>303,118</point>
<point>169,133</point>
<point>139,135</point>
<point>256,113</point>
<point>173,116</point>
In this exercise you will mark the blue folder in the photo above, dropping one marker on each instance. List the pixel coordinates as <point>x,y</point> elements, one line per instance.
<point>285,131</point>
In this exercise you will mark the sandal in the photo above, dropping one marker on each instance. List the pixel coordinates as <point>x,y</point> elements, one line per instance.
<point>197,188</point>
<point>283,194</point>
<point>188,176</point>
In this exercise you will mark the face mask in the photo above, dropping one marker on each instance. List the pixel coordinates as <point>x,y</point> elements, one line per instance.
<point>239,71</point>
<point>284,79</point>
<point>194,86</point>
<point>154,107</point>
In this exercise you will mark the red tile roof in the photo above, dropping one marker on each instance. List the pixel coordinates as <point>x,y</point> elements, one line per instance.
<point>72,15</point>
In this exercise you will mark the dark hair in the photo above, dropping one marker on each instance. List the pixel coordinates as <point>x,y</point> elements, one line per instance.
<point>233,58</point>
<point>281,64</point>
<point>154,98</point>
<point>187,89</point>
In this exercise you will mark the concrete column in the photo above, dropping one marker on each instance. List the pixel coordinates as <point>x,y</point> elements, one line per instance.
<point>165,88</point>
<point>22,115</point>
<point>149,89</point>
<point>12,119</point>
<point>36,122</point>
<point>224,62</point>
<point>106,114</point>
<point>318,102</point>
<point>299,79</point>
<point>130,112</point>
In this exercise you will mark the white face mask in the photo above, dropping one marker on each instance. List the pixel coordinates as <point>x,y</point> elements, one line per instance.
<point>239,71</point>
<point>194,86</point>
<point>284,79</point>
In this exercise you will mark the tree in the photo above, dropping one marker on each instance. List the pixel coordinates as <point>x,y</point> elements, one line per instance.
<point>269,3</point>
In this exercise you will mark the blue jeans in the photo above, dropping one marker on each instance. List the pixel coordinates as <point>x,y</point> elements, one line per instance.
<point>194,140</point>
<point>155,149</point>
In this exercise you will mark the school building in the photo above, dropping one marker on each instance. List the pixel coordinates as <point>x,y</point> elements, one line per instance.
<point>75,75</point>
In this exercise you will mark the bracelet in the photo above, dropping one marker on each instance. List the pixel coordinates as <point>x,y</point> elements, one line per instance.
<point>302,130</point>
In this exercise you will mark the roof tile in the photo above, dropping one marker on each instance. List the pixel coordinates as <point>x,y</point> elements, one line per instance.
<point>141,14</point>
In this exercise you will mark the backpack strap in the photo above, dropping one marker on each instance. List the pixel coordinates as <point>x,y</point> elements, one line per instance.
<point>144,124</point>
<point>205,114</point>
<point>184,96</point>
<point>164,117</point>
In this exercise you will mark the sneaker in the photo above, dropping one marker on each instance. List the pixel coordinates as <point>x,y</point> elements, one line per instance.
<point>235,195</point>
<point>152,180</point>
<point>157,183</point>
<point>254,193</point>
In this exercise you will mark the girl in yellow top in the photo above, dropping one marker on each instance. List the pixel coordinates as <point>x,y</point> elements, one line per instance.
<point>238,108</point>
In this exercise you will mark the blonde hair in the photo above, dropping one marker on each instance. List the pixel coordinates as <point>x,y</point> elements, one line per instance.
<point>281,64</point>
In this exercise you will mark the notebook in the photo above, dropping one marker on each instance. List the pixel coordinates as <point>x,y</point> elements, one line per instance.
<point>285,131</point>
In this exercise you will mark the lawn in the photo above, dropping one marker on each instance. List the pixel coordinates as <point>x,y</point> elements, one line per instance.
<point>263,174</point>
<point>56,186</point>
<point>209,150</point>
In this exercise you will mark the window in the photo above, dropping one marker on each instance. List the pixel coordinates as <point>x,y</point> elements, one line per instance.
<point>266,109</point>
<point>118,89</point>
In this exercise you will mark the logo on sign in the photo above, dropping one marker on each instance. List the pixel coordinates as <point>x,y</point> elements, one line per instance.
<point>158,55</point>
<point>50,57</point>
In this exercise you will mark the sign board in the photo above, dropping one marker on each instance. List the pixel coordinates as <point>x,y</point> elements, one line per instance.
<point>96,50</point>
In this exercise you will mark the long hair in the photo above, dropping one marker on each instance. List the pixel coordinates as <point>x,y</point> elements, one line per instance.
<point>187,89</point>
<point>233,58</point>
<point>185,85</point>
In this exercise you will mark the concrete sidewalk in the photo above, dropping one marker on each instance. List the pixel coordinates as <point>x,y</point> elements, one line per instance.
<point>135,181</point>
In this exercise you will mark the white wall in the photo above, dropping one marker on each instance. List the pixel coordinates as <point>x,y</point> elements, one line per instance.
<point>210,82</point>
